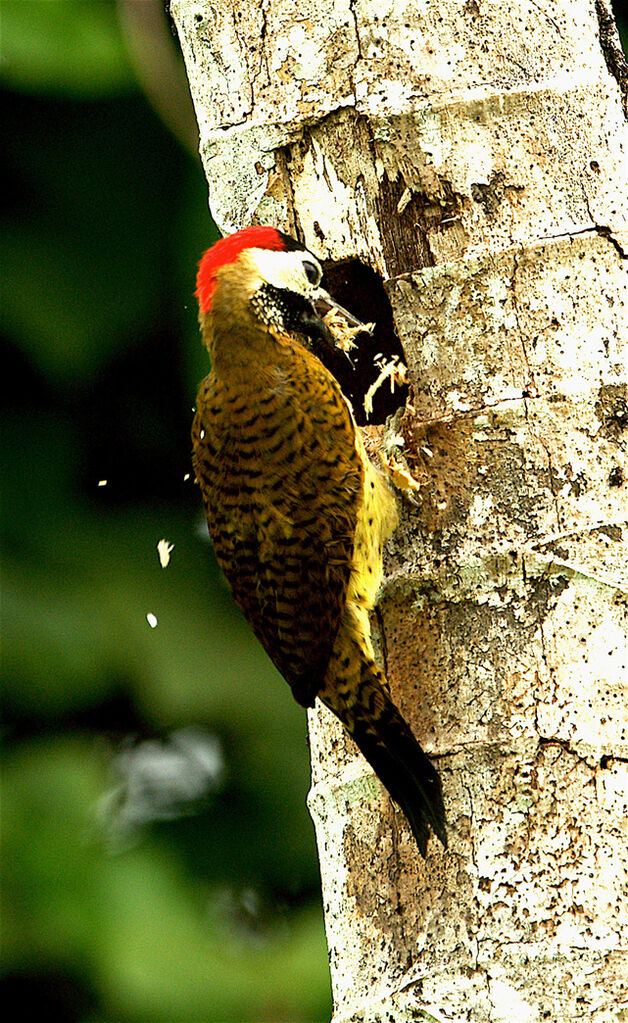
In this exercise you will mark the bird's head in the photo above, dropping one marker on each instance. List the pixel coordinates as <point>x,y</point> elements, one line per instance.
<point>262,274</point>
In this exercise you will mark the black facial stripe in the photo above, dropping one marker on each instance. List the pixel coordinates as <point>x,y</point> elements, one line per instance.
<point>288,311</point>
<point>279,308</point>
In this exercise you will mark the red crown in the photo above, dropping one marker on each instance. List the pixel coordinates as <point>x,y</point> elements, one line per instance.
<point>227,250</point>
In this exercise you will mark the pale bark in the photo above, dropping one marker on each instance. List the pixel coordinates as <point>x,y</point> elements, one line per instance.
<point>475,154</point>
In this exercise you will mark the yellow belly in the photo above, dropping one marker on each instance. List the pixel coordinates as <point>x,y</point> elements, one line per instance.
<point>376,520</point>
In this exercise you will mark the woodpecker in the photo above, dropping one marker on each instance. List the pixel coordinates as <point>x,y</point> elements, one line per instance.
<point>297,512</point>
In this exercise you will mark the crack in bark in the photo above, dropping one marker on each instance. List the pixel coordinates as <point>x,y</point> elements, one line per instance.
<point>540,742</point>
<point>531,383</point>
<point>476,410</point>
<point>281,165</point>
<point>357,32</point>
<point>325,172</point>
<point>511,60</point>
<point>548,670</point>
<point>563,744</point>
<point>396,845</point>
<point>263,55</point>
<point>602,229</point>
<point>467,789</point>
<point>548,16</point>
<point>552,483</point>
<point>606,232</point>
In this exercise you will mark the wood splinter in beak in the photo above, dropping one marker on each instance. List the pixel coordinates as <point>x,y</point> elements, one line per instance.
<point>337,322</point>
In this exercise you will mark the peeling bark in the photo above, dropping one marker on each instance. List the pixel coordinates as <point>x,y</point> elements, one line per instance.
<point>475,155</point>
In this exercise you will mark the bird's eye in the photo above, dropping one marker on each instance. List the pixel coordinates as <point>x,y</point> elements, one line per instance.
<point>312,272</point>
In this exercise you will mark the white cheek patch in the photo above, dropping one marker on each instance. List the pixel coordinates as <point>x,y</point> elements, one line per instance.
<point>284,270</point>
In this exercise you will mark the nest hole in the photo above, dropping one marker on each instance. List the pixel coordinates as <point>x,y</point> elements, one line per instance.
<point>360,289</point>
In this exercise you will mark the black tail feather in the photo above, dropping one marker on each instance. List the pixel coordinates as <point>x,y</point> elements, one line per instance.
<point>406,772</point>
<point>358,694</point>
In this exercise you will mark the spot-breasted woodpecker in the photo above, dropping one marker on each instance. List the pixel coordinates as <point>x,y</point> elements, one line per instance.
<point>296,510</point>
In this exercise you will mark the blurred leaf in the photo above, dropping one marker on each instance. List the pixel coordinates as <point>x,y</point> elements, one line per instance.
<point>158,949</point>
<point>168,956</point>
<point>50,868</point>
<point>72,47</point>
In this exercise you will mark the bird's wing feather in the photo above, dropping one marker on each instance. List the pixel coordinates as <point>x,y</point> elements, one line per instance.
<point>282,479</point>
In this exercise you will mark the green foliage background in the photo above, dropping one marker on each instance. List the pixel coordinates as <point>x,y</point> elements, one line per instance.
<point>213,914</point>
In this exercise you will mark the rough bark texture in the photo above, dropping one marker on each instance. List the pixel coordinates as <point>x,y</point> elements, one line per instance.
<point>474,154</point>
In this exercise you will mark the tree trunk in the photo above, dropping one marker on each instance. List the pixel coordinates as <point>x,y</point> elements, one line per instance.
<point>474,154</point>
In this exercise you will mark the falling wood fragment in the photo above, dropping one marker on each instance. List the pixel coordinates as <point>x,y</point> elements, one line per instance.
<point>163,549</point>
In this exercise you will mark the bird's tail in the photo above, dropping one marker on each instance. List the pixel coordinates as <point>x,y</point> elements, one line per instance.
<point>362,703</point>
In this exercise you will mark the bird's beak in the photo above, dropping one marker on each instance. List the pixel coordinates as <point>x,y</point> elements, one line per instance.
<point>337,330</point>
<point>324,303</point>
<point>319,326</point>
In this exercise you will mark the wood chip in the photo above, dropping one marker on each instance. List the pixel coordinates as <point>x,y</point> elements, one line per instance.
<point>395,371</point>
<point>163,549</point>
<point>342,333</point>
